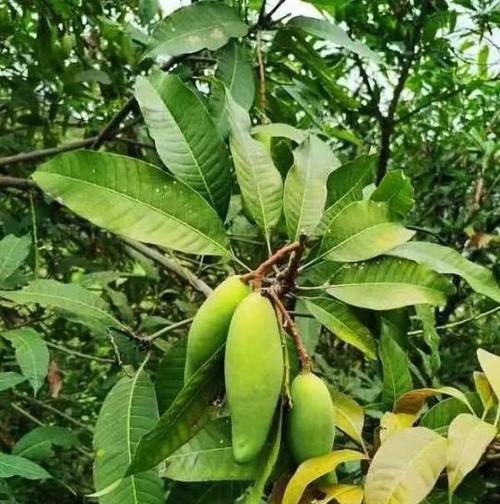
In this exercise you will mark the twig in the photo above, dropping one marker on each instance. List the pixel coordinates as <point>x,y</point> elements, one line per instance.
<point>69,351</point>
<point>262,77</point>
<point>27,414</point>
<point>164,330</point>
<point>290,273</point>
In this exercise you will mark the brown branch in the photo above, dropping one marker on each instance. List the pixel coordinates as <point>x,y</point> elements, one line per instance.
<point>18,183</point>
<point>289,275</point>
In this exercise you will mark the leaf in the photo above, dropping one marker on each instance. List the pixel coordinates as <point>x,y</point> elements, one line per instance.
<point>32,354</point>
<point>406,467</point>
<point>349,415</point>
<point>339,319</point>
<point>468,439</point>
<point>484,390</point>
<point>128,412</point>
<point>396,190</point>
<point>395,367</point>
<point>260,182</point>
<point>394,422</point>
<point>431,337</point>
<point>281,130</point>
<point>490,364</point>
<point>413,401</point>
<point>37,444</point>
<point>362,230</point>
<point>185,137</point>
<point>445,260</point>
<point>312,469</point>
<point>12,465</point>
<point>343,494</point>
<point>10,379</point>
<point>217,492</point>
<point>13,252</point>
<point>389,283</point>
<point>135,199</point>
<point>170,375</point>
<point>189,29</point>
<point>304,195</point>
<point>309,328</point>
<point>68,297</point>
<point>328,31</point>
<point>191,410</point>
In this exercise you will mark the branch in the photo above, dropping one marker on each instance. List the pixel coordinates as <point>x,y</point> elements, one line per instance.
<point>18,183</point>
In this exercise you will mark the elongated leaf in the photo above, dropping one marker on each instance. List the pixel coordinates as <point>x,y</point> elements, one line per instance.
<point>305,186</point>
<point>406,467</point>
<point>343,494</point>
<point>189,29</point>
<point>328,31</point>
<point>490,364</point>
<point>192,409</point>
<point>128,412</point>
<point>32,354</point>
<point>349,415</point>
<point>484,390</point>
<point>309,328</point>
<point>445,260</point>
<point>395,367</point>
<point>468,438</point>
<point>431,337</point>
<point>394,422</point>
<point>260,182</point>
<point>13,252</point>
<point>13,465</point>
<point>312,469</point>
<point>396,190</point>
<point>135,199</point>
<point>341,321</point>
<point>281,130</point>
<point>389,283</point>
<point>186,138</point>
<point>414,400</point>
<point>68,297</point>
<point>37,444</point>
<point>10,379</point>
<point>362,230</point>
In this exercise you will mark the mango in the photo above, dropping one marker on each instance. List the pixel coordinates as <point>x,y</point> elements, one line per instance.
<point>311,428</point>
<point>253,371</point>
<point>209,328</point>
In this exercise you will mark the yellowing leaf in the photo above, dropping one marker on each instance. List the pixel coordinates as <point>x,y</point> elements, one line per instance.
<point>468,438</point>
<point>406,467</point>
<point>393,422</point>
<point>312,469</point>
<point>490,363</point>
<point>413,401</point>
<point>484,390</point>
<point>349,415</point>
<point>343,494</point>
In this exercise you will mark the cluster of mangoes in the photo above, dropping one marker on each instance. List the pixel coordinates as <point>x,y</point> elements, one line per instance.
<point>253,369</point>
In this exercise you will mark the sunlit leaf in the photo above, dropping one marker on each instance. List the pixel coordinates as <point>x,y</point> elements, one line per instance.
<point>484,390</point>
<point>394,422</point>
<point>281,130</point>
<point>349,415</point>
<point>490,364</point>
<point>343,494</point>
<point>396,190</point>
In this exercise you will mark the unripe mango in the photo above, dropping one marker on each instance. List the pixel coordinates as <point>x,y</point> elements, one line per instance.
<point>254,374</point>
<point>311,428</point>
<point>211,323</point>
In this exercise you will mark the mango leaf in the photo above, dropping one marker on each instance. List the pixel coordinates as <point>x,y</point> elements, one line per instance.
<point>194,406</point>
<point>349,415</point>
<point>396,190</point>
<point>309,328</point>
<point>13,465</point>
<point>304,195</point>
<point>135,199</point>
<point>312,469</point>
<point>13,252</point>
<point>281,130</point>
<point>260,182</point>
<point>468,439</point>
<point>189,29</point>
<point>343,494</point>
<point>484,390</point>
<point>205,493</point>
<point>406,467</point>
<point>10,379</point>
<point>67,297</point>
<point>175,115</point>
<point>362,230</point>
<point>32,354</point>
<point>490,364</point>
<point>37,444</point>
<point>445,260</point>
<point>389,283</point>
<point>412,402</point>
<point>339,319</point>
<point>431,337</point>
<point>394,422</point>
<point>395,368</point>
<point>128,411</point>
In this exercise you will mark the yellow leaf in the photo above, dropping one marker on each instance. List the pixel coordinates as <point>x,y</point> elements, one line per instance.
<point>406,467</point>
<point>490,363</point>
<point>312,469</point>
<point>349,415</point>
<point>413,401</point>
<point>484,390</point>
<point>343,494</point>
<point>393,422</point>
<point>468,438</point>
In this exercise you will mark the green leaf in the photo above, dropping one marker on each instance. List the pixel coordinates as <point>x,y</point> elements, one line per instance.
<point>309,328</point>
<point>490,364</point>
<point>342,494</point>
<point>281,130</point>
<point>68,297</point>
<point>127,413</point>
<point>396,190</point>
<point>389,283</point>
<point>10,379</point>
<point>217,492</point>
<point>431,337</point>
<point>135,199</point>
<point>191,410</point>
<point>328,31</point>
<point>200,160</point>
<point>260,182</point>
<point>362,230</point>
<point>13,252</point>
<point>349,415</point>
<point>396,372</point>
<point>343,323</point>
<point>37,444</point>
<point>406,467</point>
<point>12,465</point>
<point>32,354</point>
<point>204,25</point>
<point>305,186</point>
<point>445,260</point>
<point>413,401</point>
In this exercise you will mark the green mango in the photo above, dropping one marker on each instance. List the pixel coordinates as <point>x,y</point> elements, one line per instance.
<point>254,374</point>
<point>209,328</point>
<point>311,428</point>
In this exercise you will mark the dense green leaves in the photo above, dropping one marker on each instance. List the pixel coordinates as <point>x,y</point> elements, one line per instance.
<point>38,443</point>
<point>396,190</point>
<point>10,379</point>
